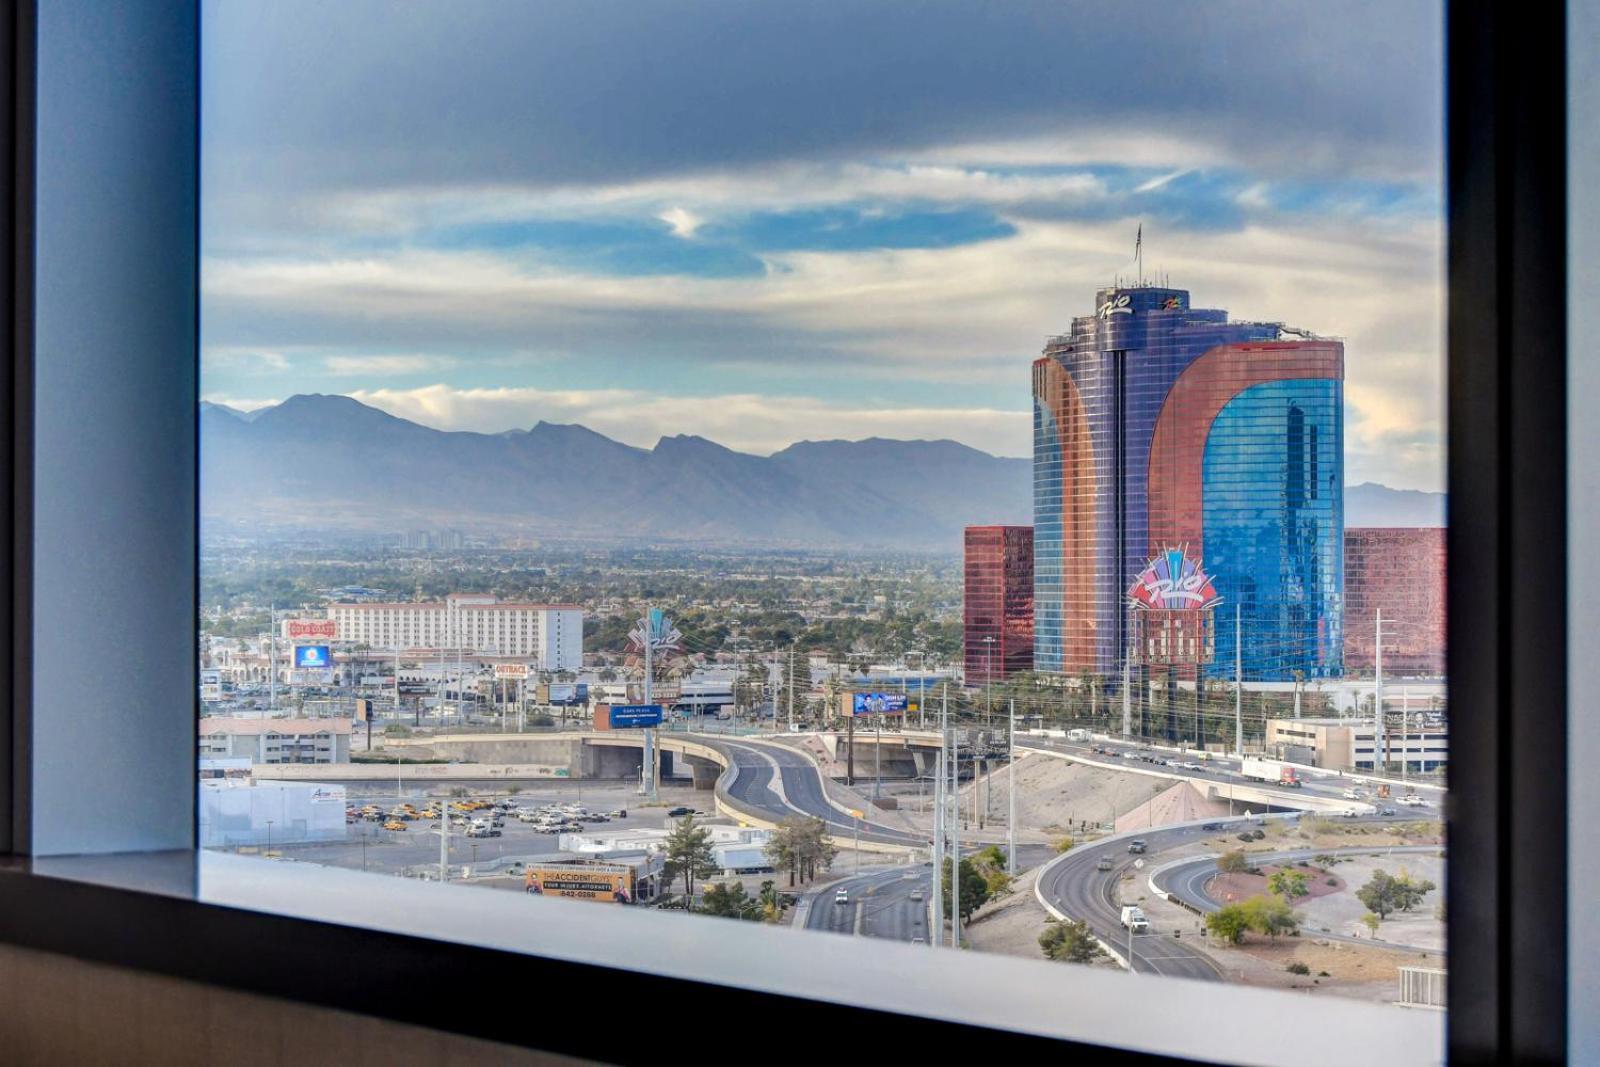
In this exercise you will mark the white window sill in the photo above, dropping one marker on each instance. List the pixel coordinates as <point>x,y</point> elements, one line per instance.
<point>1168,1016</point>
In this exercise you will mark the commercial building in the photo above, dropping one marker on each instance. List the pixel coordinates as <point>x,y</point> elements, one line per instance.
<point>549,635</point>
<point>997,603</point>
<point>1162,428</point>
<point>734,849</point>
<point>275,740</point>
<point>236,812</point>
<point>1347,744</point>
<point>1400,572</point>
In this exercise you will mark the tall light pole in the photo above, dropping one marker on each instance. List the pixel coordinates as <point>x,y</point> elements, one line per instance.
<point>1011,793</point>
<point>988,678</point>
<point>1379,764</point>
<point>1238,682</point>
<point>937,938</point>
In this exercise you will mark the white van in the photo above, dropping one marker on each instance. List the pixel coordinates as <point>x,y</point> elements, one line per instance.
<point>1133,918</point>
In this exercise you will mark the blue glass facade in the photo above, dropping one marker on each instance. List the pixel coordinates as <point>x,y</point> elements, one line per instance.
<point>1274,521</point>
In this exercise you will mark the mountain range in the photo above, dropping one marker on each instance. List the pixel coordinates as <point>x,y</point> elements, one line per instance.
<point>333,462</point>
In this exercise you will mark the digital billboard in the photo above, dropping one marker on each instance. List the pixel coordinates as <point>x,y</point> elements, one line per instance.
<point>611,883</point>
<point>879,703</point>
<point>312,657</point>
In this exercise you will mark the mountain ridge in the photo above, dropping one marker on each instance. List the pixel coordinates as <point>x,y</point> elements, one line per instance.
<point>333,461</point>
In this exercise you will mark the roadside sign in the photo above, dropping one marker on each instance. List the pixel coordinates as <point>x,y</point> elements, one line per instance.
<point>625,715</point>
<point>510,670</point>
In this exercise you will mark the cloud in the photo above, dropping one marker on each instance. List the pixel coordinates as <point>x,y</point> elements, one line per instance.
<point>388,365</point>
<point>683,223</point>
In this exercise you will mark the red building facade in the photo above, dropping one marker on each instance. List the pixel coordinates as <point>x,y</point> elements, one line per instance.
<point>1400,571</point>
<point>997,606</point>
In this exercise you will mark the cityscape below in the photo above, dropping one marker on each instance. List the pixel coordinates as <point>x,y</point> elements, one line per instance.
<point>847,687</point>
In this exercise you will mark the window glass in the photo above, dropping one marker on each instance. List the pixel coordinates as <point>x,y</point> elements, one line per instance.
<point>756,460</point>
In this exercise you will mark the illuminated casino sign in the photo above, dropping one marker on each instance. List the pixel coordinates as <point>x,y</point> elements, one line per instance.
<point>1174,582</point>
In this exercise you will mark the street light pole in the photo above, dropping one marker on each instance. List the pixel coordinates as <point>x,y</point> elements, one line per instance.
<point>1011,793</point>
<point>1238,683</point>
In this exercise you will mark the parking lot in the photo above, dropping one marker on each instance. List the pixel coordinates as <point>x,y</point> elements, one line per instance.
<point>368,846</point>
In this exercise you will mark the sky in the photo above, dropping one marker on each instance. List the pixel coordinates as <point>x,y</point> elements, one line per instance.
<point>769,222</point>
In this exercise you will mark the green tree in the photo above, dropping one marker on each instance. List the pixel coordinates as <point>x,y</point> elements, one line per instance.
<point>1289,885</point>
<point>1371,922</point>
<point>1228,923</point>
<point>731,901</point>
<point>1070,942</point>
<point>1408,891</point>
<point>1233,862</point>
<point>1270,915</point>
<point>974,888</point>
<point>782,849</point>
<point>1381,895</point>
<point>689,856</point>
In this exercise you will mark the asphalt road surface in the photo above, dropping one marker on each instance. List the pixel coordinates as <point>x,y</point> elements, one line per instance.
<point>1324,785</point>
<point>803,792</point>
<point>1082,892</point>
<point>880,905</point>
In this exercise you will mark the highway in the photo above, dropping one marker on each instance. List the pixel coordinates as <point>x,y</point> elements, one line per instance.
<point>1081,892</point>
<point>880,905</point>
<point>1223,770</point>
<point>803,793</point>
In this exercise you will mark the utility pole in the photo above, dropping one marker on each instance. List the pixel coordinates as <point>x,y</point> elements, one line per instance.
<point>648,785</point>
<point>272,656</point>
<point>937,938</point>
<point>444,839</point>
<point>955,855</point>
<point>1238,682</point>
<point>1379,763</point>
<point>1011,793</point>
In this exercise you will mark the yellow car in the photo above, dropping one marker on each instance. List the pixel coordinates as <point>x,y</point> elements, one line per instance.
<point>394,824</point>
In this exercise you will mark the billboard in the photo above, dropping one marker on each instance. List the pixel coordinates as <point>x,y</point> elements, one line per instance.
<point>608,882</point>
<point>312,658</point>
<point>626,715</point>
<point>511,670</point>
<point>566,694</point>
<point>295,629</point>
<point>879,703</point>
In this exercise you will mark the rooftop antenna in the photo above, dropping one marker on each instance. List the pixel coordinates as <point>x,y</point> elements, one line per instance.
<point>1138,252</point>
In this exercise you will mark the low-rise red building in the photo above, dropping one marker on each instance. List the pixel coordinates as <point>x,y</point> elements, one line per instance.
<point>997,606</point>
<point>1400,571</point>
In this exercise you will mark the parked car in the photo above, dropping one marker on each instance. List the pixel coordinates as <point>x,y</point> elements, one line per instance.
<point>394,824</point>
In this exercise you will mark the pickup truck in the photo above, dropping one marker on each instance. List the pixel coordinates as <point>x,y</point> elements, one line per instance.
<point>1133,918</point>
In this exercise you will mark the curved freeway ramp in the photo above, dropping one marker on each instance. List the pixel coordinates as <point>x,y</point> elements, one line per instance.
<point>1072,887</point>
<point>773,783</point>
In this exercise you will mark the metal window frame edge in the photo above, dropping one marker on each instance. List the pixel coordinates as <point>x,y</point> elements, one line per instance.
<point>1506,100</point>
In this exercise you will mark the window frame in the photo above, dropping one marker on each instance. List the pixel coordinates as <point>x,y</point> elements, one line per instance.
<point>1506,217</point>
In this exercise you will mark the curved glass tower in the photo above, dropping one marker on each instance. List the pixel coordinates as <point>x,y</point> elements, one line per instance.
<point>1158,426</point>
